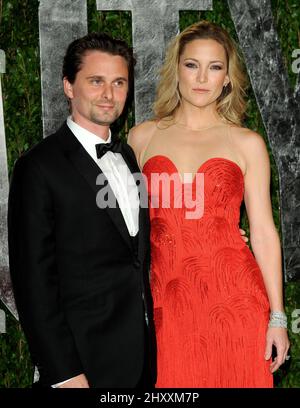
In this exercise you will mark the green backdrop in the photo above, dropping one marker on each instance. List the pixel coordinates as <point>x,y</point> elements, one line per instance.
<point>23,126</point>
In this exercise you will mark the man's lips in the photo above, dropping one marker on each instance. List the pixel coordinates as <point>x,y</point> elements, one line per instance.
<point>103,106</point>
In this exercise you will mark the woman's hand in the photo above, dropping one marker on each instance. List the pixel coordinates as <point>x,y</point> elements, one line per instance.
<point>243,234</point>
<point>277,336</point>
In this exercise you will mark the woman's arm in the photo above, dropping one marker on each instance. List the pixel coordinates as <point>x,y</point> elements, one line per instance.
<point>264,236</point>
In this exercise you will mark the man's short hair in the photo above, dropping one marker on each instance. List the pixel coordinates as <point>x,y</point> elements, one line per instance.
<point>96,42</point>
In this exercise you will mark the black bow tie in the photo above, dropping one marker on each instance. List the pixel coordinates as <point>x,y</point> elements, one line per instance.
<point>114,146</point>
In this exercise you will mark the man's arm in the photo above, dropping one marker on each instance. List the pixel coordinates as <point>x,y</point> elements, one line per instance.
<point>34,273</point>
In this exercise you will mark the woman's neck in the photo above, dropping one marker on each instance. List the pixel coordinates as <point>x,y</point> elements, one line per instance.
<point>197,118</point>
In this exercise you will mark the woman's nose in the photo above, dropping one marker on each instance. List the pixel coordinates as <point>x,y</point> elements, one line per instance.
<point>202,75</point>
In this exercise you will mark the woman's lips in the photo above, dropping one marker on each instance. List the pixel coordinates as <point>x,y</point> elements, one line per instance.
<point>200,90</point>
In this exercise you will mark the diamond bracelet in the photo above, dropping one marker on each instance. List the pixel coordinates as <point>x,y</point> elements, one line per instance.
<point>278,319</point>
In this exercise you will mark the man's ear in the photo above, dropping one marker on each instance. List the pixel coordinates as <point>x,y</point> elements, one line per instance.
<point>68,88</point>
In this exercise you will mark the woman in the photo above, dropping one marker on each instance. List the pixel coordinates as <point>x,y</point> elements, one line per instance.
<point>212,298</point>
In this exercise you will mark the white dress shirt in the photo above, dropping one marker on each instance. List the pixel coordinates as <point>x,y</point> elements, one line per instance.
<point>116,171</point>
<point>119,177</point>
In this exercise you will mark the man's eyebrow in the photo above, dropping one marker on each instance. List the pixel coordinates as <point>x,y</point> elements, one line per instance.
<point>102,77</point>
<point>121,79</point>
<point>95,77</point>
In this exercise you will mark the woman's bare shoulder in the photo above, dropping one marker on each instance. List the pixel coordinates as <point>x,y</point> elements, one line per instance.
<point>143,128</point>
<point>140,135</point>
<point>247,138</point>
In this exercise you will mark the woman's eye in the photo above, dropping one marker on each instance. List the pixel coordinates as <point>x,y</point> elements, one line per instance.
<point>217,67</point>
<point>190,65</point>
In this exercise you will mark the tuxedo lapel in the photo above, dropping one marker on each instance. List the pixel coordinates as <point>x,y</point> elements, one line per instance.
<point>131,162</point>
<point>86,166</point>
<point>144,232</point>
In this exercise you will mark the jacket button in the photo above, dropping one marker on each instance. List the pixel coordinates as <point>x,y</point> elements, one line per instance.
<point>137,264</point>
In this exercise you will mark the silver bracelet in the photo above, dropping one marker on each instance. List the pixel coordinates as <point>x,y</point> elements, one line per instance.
<point>278,319</point>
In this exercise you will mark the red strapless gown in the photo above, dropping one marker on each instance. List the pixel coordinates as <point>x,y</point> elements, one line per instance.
<point>210,304</point>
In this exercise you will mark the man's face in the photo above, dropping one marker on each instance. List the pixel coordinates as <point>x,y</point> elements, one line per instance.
<point>99,92</point>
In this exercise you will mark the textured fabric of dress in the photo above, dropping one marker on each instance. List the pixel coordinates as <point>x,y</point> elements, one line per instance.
<point>211,308</point>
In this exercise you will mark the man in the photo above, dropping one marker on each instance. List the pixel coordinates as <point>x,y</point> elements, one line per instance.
<point>80,271</point>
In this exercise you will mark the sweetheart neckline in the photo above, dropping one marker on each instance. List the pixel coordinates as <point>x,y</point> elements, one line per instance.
<point>199,168</point>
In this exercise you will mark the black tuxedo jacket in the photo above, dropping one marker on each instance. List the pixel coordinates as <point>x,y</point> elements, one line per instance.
<point>81,288</point>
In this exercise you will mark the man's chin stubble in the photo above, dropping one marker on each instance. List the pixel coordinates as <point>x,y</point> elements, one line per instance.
<point>104,121</point>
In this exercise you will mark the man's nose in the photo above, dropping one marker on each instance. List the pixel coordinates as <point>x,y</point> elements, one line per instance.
<point>107,91</point>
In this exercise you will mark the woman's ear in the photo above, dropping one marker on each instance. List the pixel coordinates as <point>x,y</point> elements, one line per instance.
<point>226,81</point>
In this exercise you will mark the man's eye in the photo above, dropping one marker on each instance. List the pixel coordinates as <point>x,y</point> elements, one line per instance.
<point>119,83</point>
<point>96,81</point>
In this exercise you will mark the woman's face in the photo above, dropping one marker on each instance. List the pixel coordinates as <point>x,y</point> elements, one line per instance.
<point>202,72</point>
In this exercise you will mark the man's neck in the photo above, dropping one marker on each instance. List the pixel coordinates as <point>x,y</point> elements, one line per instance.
<point>98,130</point>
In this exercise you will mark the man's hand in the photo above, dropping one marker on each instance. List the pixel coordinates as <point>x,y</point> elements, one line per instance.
<point>243,234</point>
<point>79,381</point>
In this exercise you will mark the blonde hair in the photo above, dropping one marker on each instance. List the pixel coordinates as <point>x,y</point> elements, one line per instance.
<point>231,105</point>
